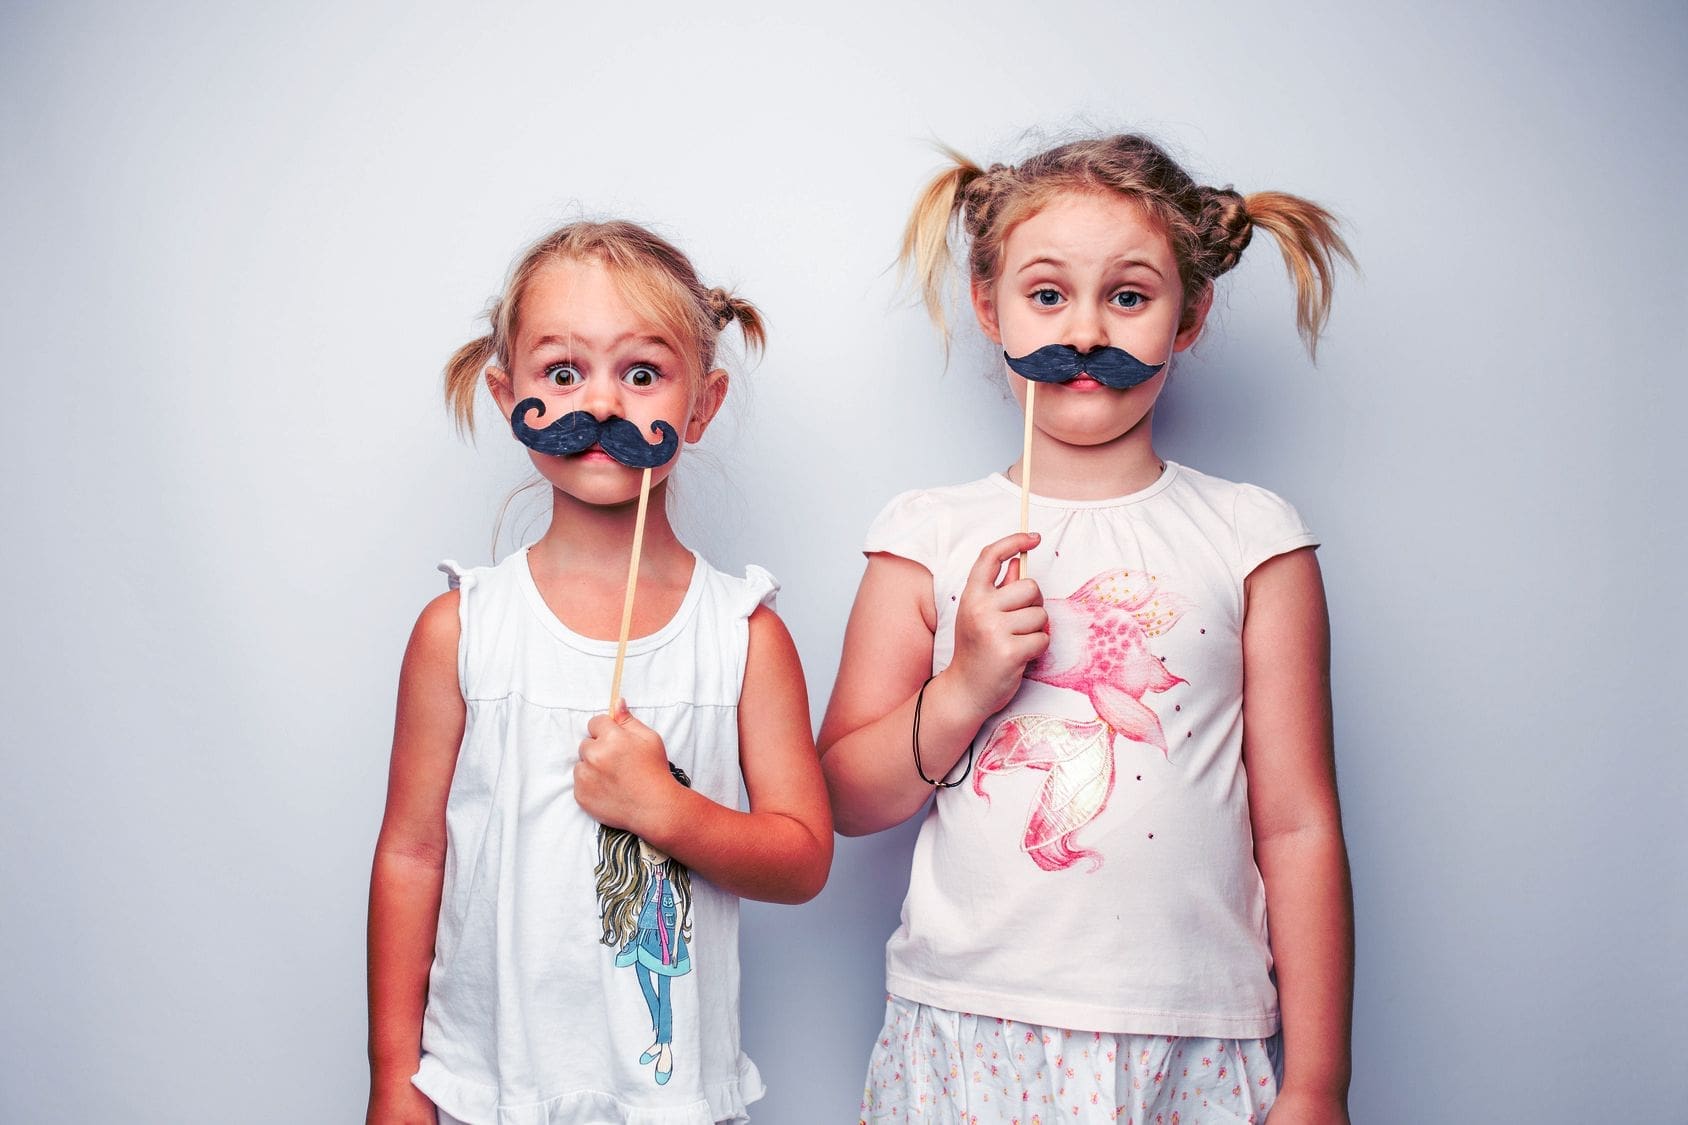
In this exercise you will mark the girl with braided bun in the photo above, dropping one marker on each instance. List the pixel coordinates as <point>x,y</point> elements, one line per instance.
<point>1111,818</point>
<point>534,848</point>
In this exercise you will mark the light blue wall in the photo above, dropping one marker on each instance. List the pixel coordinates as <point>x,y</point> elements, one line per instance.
<point>238,247</point>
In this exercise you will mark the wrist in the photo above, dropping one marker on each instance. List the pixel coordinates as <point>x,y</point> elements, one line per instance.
<point>956,699</point>
<point>666,815</point>
<point>392,1074</point>
<point>1330,1089</point>
<point>393,1059</point>
<point>946,719</point>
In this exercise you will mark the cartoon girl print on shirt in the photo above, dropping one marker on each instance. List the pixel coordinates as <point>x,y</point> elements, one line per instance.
<point>1098,646</point>
<point>645,904</point>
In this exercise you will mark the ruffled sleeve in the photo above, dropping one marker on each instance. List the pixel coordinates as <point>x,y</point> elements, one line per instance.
<point>456,576</point>
<point>1267,525</point>
<point>462,579</point>
<point>908,527</point>
<point>760,588</point>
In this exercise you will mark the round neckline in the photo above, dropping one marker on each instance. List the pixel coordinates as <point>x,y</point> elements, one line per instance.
<point>1154,487</point>
<point>635,645</point>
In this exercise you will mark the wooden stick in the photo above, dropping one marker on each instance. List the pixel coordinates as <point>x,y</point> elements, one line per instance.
<point>1026,467</point>
<point>632,584</point>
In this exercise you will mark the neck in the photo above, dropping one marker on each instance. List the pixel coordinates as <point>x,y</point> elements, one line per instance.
<point>595,539</point>
<point>1093,472</point>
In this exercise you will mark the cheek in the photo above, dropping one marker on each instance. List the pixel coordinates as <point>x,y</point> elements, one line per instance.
<point>1017,387</point>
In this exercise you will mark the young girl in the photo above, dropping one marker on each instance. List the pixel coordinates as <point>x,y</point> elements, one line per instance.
<point>1085,934</point>
<point>532,847</point>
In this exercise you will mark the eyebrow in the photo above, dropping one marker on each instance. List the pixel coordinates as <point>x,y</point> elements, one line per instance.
<point>1046,261</point>
<point>569,342</point>
<point>1060,264</point>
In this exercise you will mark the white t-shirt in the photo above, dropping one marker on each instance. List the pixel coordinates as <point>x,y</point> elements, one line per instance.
<point>532,1019</point>
<point>1096,871</point>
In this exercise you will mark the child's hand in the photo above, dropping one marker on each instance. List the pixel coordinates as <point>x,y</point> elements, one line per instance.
<point>622,779</point>
<point>999,628</point>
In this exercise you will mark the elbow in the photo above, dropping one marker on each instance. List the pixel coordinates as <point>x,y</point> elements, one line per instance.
<point>852,815</point>
<point>850,826</point>
<point>809,875</point>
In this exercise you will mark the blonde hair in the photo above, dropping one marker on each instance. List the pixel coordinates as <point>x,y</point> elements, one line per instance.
<point>655,277</point>
<point>623,880</point>
<point>1208,228</point>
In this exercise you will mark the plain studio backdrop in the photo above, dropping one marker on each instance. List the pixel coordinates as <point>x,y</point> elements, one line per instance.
<point>240,242</point>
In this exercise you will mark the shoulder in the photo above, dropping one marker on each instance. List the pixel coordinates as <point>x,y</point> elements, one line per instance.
<point>740,595</point>
<point>1261,524</point>
<point>921,524</point>
<point>1194,482</point>
<point>1239,502</point>
<point>768,632</point>
<point>438,629</point>
<point>926,501</point>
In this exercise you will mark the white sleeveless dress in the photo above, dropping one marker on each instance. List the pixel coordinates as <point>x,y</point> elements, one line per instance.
<point>532,1018</point>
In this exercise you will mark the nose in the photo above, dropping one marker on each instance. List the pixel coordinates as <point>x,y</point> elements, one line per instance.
<point>602,395</point>
<point>1086,330</point>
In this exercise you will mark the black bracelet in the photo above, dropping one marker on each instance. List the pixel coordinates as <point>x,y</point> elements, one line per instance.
<point>919,698</point>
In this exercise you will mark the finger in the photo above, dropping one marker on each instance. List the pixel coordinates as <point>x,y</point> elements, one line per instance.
<point>1033,645</point>
<point>1025,622</point>
<point>1017,593</point>
<point>990,560</point>
<point>622,714</point>
<point>598,726</point>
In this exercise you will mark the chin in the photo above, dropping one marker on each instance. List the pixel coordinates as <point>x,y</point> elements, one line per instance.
<point>1088,437</point>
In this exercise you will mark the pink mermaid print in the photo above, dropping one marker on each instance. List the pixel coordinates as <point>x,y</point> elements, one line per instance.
<point>1098,646</point>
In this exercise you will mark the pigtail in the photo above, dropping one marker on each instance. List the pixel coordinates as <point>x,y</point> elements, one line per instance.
<point>727,308</point>
<point>925,256</point>
<point>463,378</point>
<point>1308,237</point>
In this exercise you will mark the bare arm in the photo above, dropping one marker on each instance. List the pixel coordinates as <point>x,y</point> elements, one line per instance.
<point>1287,749</point>
<point>405,886</point>
<point>779,851</point>
<point>865,740</point>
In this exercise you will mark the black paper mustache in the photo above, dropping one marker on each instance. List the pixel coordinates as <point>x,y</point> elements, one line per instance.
<point>1061,363</point>
<point>579,430</point>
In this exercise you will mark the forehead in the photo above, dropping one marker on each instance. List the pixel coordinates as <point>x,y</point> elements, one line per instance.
<point>584,302</point>
<point>1087,229</point>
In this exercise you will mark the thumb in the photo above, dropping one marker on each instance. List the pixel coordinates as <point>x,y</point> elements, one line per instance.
<point>622,715</point>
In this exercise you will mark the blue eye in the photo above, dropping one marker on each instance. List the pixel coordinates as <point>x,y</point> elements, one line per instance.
<point>562,374</point>
<point>1046,298</point>
<point>1128,299</point>
<point>642,375</point>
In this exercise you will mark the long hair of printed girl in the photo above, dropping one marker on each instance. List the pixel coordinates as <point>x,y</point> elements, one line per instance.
<point>622,875</point>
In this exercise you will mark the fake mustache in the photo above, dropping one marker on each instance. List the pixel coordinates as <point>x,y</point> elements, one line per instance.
<point>1061,363</point>
<point>579,430</point>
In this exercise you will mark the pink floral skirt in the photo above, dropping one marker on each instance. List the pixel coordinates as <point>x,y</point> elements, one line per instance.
<point>931,1066</point>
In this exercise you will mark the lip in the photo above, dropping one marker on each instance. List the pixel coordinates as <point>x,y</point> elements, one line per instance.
<point>594,453</point>
<point>1083,383</point>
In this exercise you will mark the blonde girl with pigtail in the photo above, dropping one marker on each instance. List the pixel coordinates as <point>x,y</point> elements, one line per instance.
<point>553,925</point>
<point>1129,897</point>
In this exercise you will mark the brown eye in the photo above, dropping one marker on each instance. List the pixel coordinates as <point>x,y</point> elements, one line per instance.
<point>641,375</point>
<point>562,374</point>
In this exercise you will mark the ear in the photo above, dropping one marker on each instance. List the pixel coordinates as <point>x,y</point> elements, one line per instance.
<point>984,307</point>
<point>707,403</point>
<point>1194,318</point>
<point>503,393</point>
